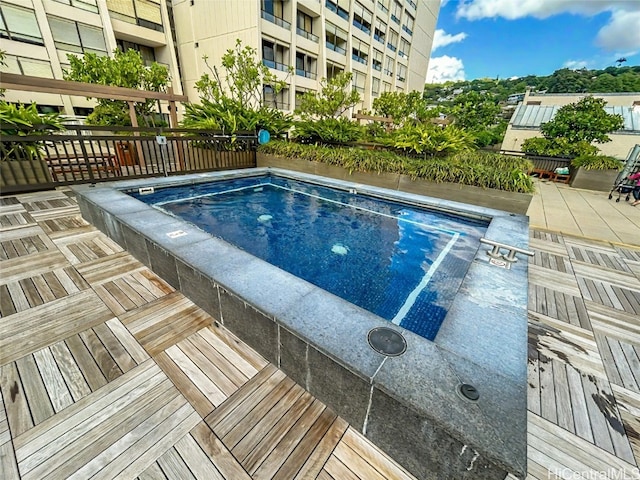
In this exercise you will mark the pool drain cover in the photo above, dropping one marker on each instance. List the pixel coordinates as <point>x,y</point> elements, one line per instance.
<point>469,392</point>
<point>387,341</point>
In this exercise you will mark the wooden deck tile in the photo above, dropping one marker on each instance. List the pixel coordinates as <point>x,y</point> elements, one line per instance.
<point>165,322</point>
<point>85,246</point>
<point>129,292</point>
<point>28,331</point>
<point>629,406</point>
<point>106,269</point>
<point>120,429</point>
<point>13,220</point>
<point>8,465</point>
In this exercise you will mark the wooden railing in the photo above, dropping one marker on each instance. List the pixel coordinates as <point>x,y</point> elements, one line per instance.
<point>34,160</point>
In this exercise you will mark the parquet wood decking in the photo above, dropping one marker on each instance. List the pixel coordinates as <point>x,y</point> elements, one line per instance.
<point>106,371</point>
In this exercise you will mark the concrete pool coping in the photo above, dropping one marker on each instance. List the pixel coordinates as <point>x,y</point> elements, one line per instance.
<point>408,405</point>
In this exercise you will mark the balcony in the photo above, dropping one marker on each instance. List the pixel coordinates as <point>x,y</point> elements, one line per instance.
<point>401,54</point>
<point>407,29</point>
<point>377,66</point>
<point>275,65</point>
<point>357,58</point>
<point>277,20</point>
<point>341,12</point>
<point>335,48</point>
<point>305,73</point>
<point>379,37</point>
<point>383,7</point>
<point>307,35</point>
<point>391,47</point>
<point>395,19</point>
<point>366,29</point>
<point>412,4</point>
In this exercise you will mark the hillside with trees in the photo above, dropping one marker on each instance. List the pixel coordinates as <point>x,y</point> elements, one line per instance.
<point>611,79</point>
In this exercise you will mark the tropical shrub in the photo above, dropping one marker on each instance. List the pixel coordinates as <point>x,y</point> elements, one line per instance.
<point>233,101</point>
<point>597,162</point>
<point>490,135</point>
<point>327,130</point>
<point>488,170</point>
<point>23,121</point>
<point>557,147</point>
<point>428,139</point>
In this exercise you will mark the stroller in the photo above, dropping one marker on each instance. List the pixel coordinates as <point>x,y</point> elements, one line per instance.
<point>625,187</point>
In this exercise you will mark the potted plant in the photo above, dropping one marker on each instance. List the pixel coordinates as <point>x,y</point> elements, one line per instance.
<point>595,172</point>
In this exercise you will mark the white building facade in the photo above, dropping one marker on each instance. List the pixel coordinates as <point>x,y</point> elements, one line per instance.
<point>386,44</point>
<point>37,35</point>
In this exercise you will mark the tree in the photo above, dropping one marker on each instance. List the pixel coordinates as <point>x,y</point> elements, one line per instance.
<point>231,98</point>
<point>574,129</point>
<point>403,106</point>
<point>585,120</point>
<point>124,69</point>
<point>475,111</point>
<point>333,99</point>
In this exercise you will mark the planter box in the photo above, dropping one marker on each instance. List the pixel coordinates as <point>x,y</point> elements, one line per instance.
<point>600,180</point>
<point>512,202</point>
<point>24,172</point>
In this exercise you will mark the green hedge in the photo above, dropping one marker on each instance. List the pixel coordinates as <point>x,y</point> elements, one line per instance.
<point>482,169</point>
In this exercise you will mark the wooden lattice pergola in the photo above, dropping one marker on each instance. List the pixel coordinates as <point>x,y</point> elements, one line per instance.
<point>12,81</point>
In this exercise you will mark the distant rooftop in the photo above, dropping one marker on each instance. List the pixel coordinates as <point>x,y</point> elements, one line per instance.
<point>532,116</point>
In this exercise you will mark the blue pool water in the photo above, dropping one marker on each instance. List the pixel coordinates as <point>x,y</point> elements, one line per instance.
<point>401,262</point>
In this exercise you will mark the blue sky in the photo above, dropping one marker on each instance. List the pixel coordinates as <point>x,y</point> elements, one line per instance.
<point>513,38</point>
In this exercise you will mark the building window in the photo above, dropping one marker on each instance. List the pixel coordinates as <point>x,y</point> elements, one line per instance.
<point>19,24</point>
<point>333,70</point>
<point>412,4</point>
<point>28,66</point>
<point>375,86</point>
<point>77,37</point>
<point>386,86</point>
<point>359,51</point>
<point>402,73</point>
<point>404,48</point>
<point>338,7</point>
<point>359,80</point>
<point>393,40</point>
<point>305,65</point>
<point>380,31</point>
<point>377,60</point>
<point>388,68</point>
<point>90,5</point>
<point>148,54</point>
<point>278,100</point>
<point>336,39</point>
<point>144,13</point>
<point>396,12</point>
<point>273,11</point>
<point>384,5</point>
<point>304,24</point>
<point>275,56</point>
<point>362,18</point>
<point>408,24</point>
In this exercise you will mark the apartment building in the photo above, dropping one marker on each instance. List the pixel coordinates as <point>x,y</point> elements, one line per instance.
<point>386,44</point>
<point>37,35</point>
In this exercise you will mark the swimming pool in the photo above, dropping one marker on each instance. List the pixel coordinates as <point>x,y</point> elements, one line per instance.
<point>401,262</point>
<point>411,404</point>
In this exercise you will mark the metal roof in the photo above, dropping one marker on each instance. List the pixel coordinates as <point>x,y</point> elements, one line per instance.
<point>532,116</point>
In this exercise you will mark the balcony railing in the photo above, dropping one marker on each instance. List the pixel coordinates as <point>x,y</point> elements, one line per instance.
<point>362,26</point>
<point>392,47</point>
<point>358,58</point>
<point>307,35</point>
<point>388,72</point>
<point>395,19</point>
<point>407,29</point>
<point>341,12</point>
<point>378,37</point>
<point>335,48</point>
<point>377,66</point>
<point>401,54</point>
<point>400,78</point>
<point>305,73</point>
<point>412,3</point>
<point>275,65</point>
<point>281,22</point>
<point>383,7</point>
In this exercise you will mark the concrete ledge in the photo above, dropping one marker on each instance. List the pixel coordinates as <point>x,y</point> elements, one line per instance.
<point>513,202</point>
<point>407,405</point>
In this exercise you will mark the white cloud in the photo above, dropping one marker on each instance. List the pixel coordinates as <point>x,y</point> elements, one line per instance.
<point>622,32</point>
<point>445,68</point>
<point>575,64</point>
<point>511,10</point>
<point>442,38</point>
